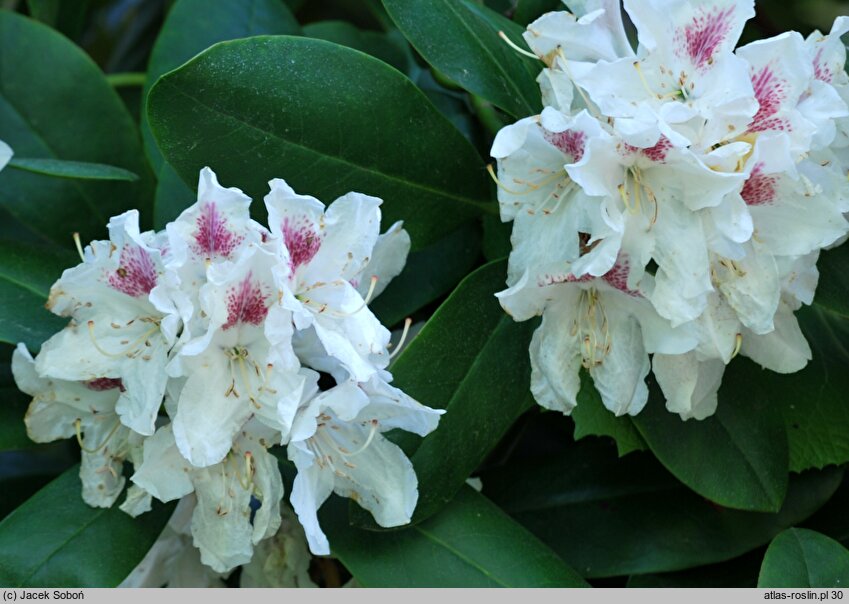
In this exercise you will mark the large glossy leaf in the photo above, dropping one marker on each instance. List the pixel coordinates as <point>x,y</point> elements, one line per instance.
<point>428,274</point>
<point>609,516</point>
<point>472,360</point>
<point>40,72</point>
<point>71,169</point>
<point>470,543</point>
<point>737,457</point>
<point>804,558</point>
<point>460,39</point>
<point>26,274</point>
<point>192,26</point>
<point>326,118</point>
<point>56,540</point>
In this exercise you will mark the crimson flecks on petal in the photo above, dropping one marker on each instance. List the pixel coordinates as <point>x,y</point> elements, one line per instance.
<point>822,72</point>
<point>759,188</point>
<point>570,142</point>
<point>101,384</point>
<point>246,303</point>
<point>707,31</point>
<point>213,236</point>
<point>770,91</point>
<point>136,274</point>
<point>302,242</point>
<point>618,277</point>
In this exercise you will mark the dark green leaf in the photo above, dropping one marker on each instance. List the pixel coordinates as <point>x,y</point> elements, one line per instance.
<point>172,196</point>
<point>496,238</point>
<point>71,169</point>
<point>377,44</point>
<point>193,26</point>
<point>737,457</point>
<point>55,103</point>
<point>428,274</point>
<point>530,10</point>
<point>804,558</point>
<point>56,540</point>
<point>739,572</point>
<point>460,39</point>
<point>66,17</point>
<point>26,274</point>
<point>832,519</point>
<point>470,543</point>
<point>326,118</point>
<point>472,360</point>
<point>593,419</point>
<point>610,516</point>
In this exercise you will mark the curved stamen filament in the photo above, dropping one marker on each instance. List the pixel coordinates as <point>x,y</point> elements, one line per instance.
<point>532,186</point>
<point>738,344</point>
<point>407,322</point>
<point>79,246</point>
<point>130,347</point>
<point>78,430</point>
<point>371,433</point>
<point>516,47</point>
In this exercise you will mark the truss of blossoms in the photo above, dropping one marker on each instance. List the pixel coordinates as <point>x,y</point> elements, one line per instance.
<point>671,201</point>
<point>191,351</point>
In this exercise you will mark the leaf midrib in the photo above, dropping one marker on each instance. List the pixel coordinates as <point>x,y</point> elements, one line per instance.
<point>479,205</point>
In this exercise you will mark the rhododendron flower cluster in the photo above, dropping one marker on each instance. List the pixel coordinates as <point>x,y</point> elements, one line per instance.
<point>190,352</point>
<point>671,200</point>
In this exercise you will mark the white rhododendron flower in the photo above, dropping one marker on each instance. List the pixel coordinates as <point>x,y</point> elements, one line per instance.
<point>6,154</point>
<point>191,352</point>
<point>671,199</point>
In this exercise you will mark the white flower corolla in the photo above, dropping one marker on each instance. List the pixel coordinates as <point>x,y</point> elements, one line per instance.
<point>61,409</point>
<point>703,178</point>
<point>6,154</point>
<point>222,524</point>
<point>225,325</point>
<point>324,254</point>
<point>831,83</point>
<point>232,371</point>
<point>598,324</point>
<point>337,446</point>
<point>173,561</point>
<point>281,561</point>
<point>690,382</point>
<point>116,328</point>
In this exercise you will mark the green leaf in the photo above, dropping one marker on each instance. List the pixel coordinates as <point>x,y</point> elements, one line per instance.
<point>40,71</point>
<point>13,407</point>
<point>56,540</point>
<point>193,26</point>
<point>428,274</point>
<point>66,17</point>
<point>26,274</point>
<point>496,238</point>
<point>610,516</point>
<point>593,419</point>
<point>739,572</point>
<point>71,169</point>
<point>326,118</point>
<point>530,10</point>
<point>172,196</point>
<point>472,360</point>
<point>377,44</point>
<point>737,457</point>
<point>803,558</point>
<point>470,543</point>
<point>460,39</point>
